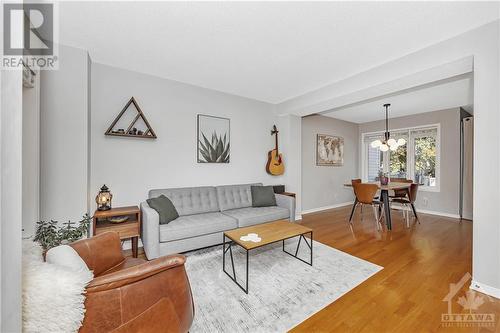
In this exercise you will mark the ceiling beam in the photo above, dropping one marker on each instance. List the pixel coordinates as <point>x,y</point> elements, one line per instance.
<point>443,73</point>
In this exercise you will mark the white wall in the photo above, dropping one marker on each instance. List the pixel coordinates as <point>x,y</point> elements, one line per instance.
<point>64,137</point>
<point>10,200</point>
<point>323,186</point>
<point>31,157</point>
<point>289,126</point>
<point>132,166</point>
<point>447,199</point>
<point>483,44</point>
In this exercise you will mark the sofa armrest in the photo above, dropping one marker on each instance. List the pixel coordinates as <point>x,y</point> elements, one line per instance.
<point>287,202</point>
<point>133,274</point>
<point>150,231</point>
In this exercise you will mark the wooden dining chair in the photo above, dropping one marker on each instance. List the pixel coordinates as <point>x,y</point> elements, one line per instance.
<point>409,204</point>
<point>365,195</point>
<point>400,193</point>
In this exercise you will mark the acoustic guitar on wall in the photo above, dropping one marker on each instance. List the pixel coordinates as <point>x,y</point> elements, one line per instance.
<point>275,165</point>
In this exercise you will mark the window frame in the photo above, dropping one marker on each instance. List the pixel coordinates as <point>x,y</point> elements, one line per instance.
<point>410,154</point>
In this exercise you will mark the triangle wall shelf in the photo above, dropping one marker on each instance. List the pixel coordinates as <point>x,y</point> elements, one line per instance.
<point>136,126</point>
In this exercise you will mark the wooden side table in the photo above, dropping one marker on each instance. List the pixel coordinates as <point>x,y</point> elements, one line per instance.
<point>290,194</point>
<point>128,229</point>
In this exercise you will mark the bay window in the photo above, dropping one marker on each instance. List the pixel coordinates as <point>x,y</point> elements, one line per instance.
<point>417,160</point>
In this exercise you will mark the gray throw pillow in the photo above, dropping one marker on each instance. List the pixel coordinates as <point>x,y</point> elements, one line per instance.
<point>164,207</point>
<point>263,196</point>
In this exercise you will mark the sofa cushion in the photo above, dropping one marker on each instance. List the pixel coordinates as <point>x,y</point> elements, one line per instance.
<point>165,208</point>
<point>196,225</point>
<point>263,196</point>
<point>235,196</point>
<point>190,200</point>
<point>256,215</point>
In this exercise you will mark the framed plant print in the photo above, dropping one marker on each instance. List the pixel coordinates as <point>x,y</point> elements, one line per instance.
<point>213,139</point>
<point>329,150</point>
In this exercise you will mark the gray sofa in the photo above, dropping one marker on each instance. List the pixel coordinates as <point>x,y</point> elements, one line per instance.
<point>204,214</point>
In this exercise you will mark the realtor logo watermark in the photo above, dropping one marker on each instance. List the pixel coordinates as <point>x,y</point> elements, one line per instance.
<point>29,35</point>
<point>472,301</point>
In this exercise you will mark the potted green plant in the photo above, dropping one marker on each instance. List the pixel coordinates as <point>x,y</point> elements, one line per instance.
<point>50,234</point>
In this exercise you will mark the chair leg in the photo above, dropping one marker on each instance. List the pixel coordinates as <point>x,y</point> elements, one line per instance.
<point>382,215</point>
<point>353,209</point>
<point>407,216</point>
<point>375,211</point>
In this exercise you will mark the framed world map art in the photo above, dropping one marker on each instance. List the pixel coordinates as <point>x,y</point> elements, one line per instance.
<point>329,150</point>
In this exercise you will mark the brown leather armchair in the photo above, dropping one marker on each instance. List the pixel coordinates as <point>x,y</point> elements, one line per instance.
<point>131,294</point>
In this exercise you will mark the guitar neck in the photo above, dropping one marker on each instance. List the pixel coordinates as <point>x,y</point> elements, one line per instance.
<point>276,139</point>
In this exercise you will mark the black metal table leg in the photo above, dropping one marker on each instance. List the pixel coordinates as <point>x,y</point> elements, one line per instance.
<point>310,246</point>
<point>246,289</point>
<point>387,208</point>
<point>229,248</point>
<point>353,209</point>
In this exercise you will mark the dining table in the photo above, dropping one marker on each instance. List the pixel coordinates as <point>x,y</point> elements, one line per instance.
<point>384,194</point>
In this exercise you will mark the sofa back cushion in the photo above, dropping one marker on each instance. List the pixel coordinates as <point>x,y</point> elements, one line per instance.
<point>235,196</point>
<point>190,200</point>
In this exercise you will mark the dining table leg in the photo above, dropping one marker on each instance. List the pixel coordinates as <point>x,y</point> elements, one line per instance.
<point>387,208</point>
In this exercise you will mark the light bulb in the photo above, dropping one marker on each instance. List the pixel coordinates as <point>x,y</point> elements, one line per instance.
<point>401,142</point>
<point>376,143</point>
<point>391,142</point>
<point>394,147</point>
<point>384,147</point>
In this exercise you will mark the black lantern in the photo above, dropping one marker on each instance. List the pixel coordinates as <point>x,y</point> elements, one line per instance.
<point>103,198</point>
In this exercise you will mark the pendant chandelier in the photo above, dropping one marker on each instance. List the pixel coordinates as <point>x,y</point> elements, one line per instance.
<point>388,142</point>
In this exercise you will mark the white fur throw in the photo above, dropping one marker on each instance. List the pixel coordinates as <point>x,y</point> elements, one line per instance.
<point>66,256</point>
<point>53,295</point>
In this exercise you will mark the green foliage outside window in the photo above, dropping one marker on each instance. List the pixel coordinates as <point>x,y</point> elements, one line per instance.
<point>397,162</point>
<point>425,158</point>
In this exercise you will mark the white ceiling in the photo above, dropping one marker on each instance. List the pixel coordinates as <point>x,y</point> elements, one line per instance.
<point>439,97</point>
<point>269,51</point>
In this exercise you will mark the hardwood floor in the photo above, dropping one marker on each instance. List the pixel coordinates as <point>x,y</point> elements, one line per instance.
<point>419,265</point>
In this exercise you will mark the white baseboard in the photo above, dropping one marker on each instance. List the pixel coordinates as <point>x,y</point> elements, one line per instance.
<point>432,212</point>
<point>394,206</point>
<point>308,211</point>
<point>485,289</point>
<point>424,211</point>
<point>298,217</point>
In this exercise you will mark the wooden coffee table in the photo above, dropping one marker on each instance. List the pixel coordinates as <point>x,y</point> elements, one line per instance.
<point>269,233</point>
